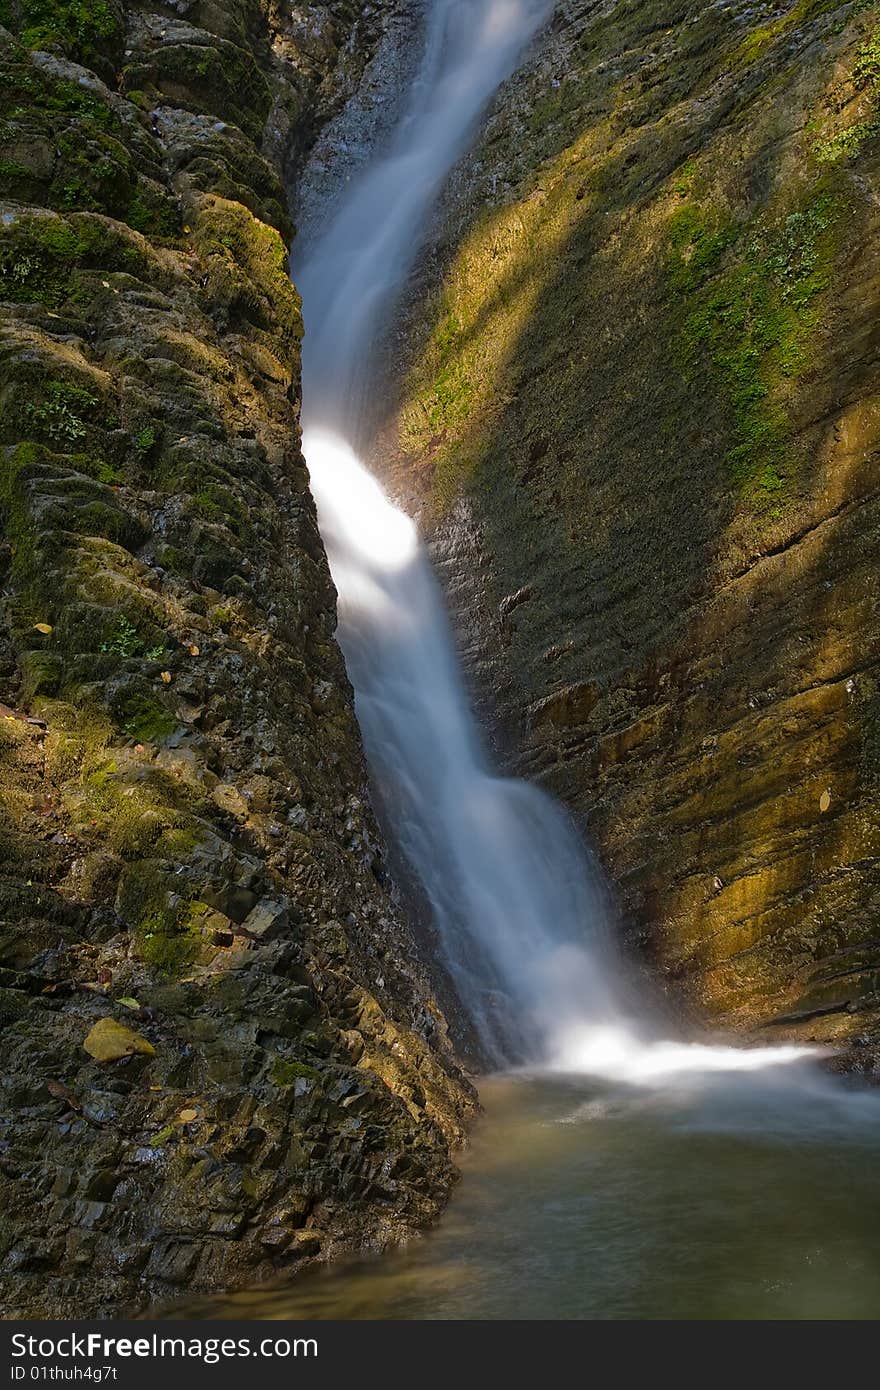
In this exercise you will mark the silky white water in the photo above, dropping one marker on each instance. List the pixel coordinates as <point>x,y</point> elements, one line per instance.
<point>518,907</point>
<point>365,250</point>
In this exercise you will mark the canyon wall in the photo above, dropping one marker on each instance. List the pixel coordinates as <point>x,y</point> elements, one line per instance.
<point>221,1057</point>
<point>638,412</point>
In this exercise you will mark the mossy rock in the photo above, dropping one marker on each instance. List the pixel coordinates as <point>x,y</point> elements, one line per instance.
<point>143,717</point>
<point>246,265</point>
<point>214,75</point>
<point>43,257</point>
<point>88,31</point>
<point>286,1073</point>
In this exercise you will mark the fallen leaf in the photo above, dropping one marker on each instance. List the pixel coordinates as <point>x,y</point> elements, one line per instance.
<point>825,801</point>
<point>62,1092</point>
<point>166,677</point>
<point>108,1040</point>
<point>186,1116</point>
<point>129,1003</point>
<point>45,628</point>
<point>162,1137</point>
<point>194,650</point>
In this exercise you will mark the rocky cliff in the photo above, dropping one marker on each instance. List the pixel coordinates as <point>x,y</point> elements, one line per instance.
<point>221,1057</point>
<point>637,412</point>
<point>641,417</point>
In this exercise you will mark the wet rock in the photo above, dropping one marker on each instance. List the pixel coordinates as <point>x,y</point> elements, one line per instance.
<point>303,1243</point>
<point>194,737</point>
<point>266,921</point>
<point>566,708</point>
<point>233,902</point>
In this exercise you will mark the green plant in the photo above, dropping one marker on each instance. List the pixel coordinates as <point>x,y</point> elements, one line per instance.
<point>865,77</point>
<point>866,69</point>
<point>125,641</point>
<point>846,144</point>
<point>60,416</point>
<point>77,26</point>
<point>145,439</point>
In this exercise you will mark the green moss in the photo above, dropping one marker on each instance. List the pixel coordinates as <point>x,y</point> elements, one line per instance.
<point>177,842</point>
<point>166,939</point>
<point>284,1073</point>
<point>131,812</point>
<point>756,319</point>
<point>27,90</point>
<point>760,39</point>
<point>72,145</point>
<point>41,674</point>
<point>99,469</point>
<point>17,524</point>
<point>218,504</point>
<point>41,257</point>
<point>247,269</point>
<point>697,241</point>
<point>77,740</point>
<point>452,388</point>
<point>686,180</point>
<point>221,78</point>
<point>222,616</point>
<point>11,171</point>
<point>145,719</point>
<point>153,212</point>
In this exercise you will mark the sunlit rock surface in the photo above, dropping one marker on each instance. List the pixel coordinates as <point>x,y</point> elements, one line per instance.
<point>639,418</point>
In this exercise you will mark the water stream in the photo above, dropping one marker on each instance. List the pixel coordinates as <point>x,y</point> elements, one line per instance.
<point>518,905</point>
<point>582,1199</point>
<point>620,1171</point>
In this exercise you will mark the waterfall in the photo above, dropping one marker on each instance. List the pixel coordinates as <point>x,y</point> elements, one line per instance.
<point>518,906</point>
<point>364,253</point>
<point>517,911</point>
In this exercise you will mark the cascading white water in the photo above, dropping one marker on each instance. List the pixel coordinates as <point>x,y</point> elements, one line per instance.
<point>517,912</point>
<point>366,250</point>
<point>518,907</point>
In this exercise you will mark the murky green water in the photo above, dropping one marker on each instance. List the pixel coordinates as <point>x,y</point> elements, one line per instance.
<point>584,1201</point>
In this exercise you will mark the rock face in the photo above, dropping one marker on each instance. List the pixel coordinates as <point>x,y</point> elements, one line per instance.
<point>642,421</point>
<point>221,1056</point>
